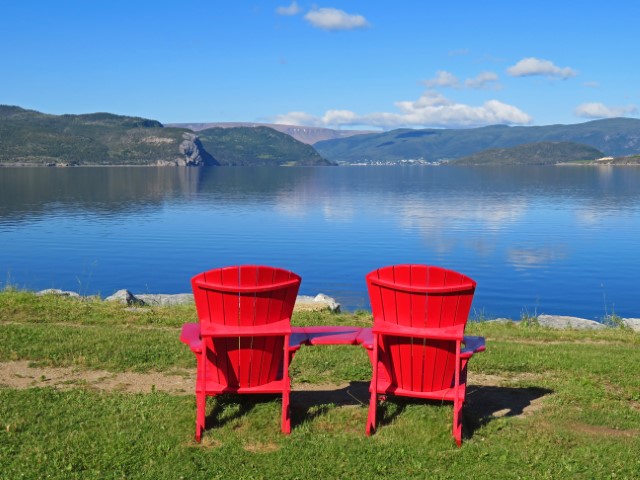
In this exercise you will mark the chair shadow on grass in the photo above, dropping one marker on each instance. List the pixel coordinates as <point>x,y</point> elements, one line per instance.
<point>486,403</point>
<point>306,405</point>
<point>229,407</point>
<point>483,404</point>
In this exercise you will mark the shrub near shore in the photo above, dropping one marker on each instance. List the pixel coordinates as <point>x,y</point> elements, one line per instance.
<point>542,403</point>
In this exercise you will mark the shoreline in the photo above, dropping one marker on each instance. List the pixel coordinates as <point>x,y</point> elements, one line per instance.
<point>324,302</point>
<point>169,163</point>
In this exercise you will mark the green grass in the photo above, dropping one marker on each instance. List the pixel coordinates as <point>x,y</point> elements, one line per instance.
<point>585,387</point>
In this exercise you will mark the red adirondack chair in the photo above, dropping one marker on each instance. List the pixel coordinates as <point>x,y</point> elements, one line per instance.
<point>243,339</point>
<point>419,315</point>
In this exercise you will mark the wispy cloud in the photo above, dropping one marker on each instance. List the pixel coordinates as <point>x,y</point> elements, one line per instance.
<point>459,52</point>
<point>289,11</point>
<point>600,110</point>
<point>443,79</point>
<point>333,19</point>
<point>591,84</point>
<point>482,80</point>
<point>448,79</point>
<point>432,109</point>
<point>536,66</point>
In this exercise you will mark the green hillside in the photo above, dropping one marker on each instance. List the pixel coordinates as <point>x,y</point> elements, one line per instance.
<point>27,136</point>
<point>614,137</point>
<point>30,137</point>
<point>257,146</point>
<point>540,153</point>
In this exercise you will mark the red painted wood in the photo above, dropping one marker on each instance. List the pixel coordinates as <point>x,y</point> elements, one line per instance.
<point>419,316</point>
<point>244,318</point>
<point>264,345</point>
<point>247,318</point>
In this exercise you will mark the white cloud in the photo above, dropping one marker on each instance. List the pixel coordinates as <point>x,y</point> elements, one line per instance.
<point>482,80</point>
<point>289,11</point>
<point>591,84</point>
<point>296,118</point>
<point>600,110</point>
<point>431,110</point>
<point>334,19</point>
<point>448,79</point>
<point>536,66</point>
<point>443,79</point>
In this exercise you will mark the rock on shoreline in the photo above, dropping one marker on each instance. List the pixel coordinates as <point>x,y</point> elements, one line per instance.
<point>324,302</point>
<point>303,302</point>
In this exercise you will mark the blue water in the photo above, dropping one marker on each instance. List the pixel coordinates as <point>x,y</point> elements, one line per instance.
<point>561,240</point>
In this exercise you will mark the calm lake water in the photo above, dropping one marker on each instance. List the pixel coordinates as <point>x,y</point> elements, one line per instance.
<point>561,240</point>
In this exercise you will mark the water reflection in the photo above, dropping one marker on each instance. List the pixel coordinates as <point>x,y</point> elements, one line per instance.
<point>527,235</point>
<point>536,257</point>
<point>29,192</point>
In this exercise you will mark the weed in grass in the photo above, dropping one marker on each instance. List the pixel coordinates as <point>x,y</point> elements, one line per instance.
<point>528,319</point>
<point>611,319</point>
<point>83,286</point>
<point>479,315</point>
<point>615,321</point>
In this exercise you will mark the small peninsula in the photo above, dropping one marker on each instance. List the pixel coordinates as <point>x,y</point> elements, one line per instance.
<point>31,138</point>
<point>539,153</point>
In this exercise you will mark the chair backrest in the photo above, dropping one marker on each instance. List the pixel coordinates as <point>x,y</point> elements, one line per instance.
<point>419,297</point>
<point>244,296</point>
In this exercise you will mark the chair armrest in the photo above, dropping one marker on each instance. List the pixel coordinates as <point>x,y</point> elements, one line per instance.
<point>472,345</point>
<point>365,338</point>
<point>190,335</point>
<point>297,338</point>
<point>332,335</point>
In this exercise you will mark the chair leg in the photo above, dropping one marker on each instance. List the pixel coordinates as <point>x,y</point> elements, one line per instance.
<point>201,403</point>
<point>373,389</point>
<point>457,422</point>
<point>371,418</point>
<point>286,414</point>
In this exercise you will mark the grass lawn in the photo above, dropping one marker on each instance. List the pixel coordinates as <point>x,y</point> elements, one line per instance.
<point>541,404</point>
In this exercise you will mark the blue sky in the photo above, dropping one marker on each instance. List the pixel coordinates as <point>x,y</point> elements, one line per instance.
<point>339,64</point>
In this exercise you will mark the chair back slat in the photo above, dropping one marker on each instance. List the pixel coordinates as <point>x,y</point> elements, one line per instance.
<point>244,296</point>
<point>419,296</point>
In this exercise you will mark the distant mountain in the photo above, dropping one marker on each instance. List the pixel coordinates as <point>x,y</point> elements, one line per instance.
<point>257,146</point>
<point>540,153</point>
<point>308,135</point>
<point>30,137</point>
<point>614,137</point>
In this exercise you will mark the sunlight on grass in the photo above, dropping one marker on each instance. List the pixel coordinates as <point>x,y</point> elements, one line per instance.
<point>542,404</point>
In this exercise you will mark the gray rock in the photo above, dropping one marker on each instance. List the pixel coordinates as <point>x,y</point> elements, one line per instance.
<point>500,320</point>
<point>560,321</point>
<point>319,302</point>
<point>328,301</point>
<point>632,323</point>
<point>165,300</point>
<point>124,297</point>
<point>193,153</point>
<point>57,291</point>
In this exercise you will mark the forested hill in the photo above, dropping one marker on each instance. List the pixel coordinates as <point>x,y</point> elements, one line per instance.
<point>540,153</point>
<point>257,146</point>
<point>31,137</point>
<point>613,137</point>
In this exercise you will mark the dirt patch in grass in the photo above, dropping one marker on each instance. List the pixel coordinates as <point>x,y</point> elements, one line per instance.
<point>261,447</point>
<point>487,395</point>
<point>20,375</point>
<point>601,431</point>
